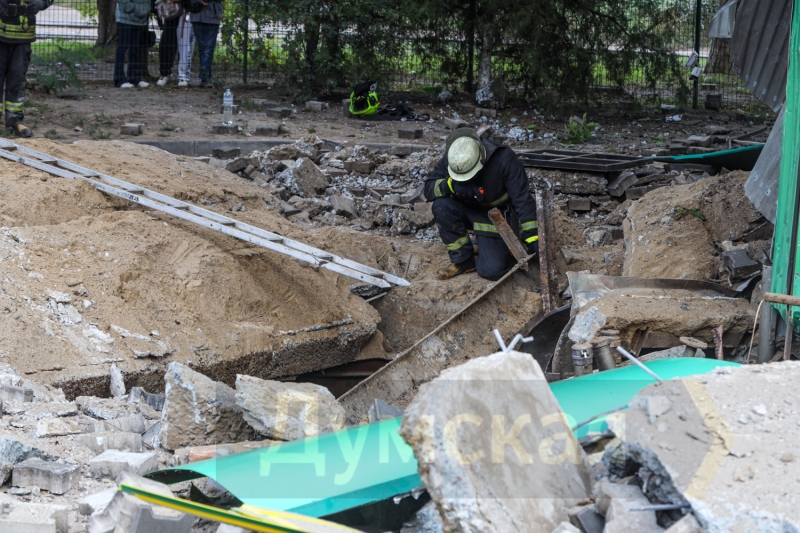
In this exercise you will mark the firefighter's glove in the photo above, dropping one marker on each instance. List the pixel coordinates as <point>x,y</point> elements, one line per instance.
<point>467,192</point>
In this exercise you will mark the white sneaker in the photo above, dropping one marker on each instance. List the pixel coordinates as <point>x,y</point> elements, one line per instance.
<point>126,85</point>
<point>183,83</point>
<point>162,81</point>
<point>143,84</point>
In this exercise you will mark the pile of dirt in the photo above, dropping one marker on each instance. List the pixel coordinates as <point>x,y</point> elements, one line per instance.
<point>676,232</point>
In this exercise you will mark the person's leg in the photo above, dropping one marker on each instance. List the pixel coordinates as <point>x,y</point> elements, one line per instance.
<point>185,49</point>
<point>452,219</point>
<point>494,258</point>
<point>135,54</point>
<point>5,56</point>
<point>123,43</point>
<point>15,88</point>
<point>168,47</point>
<point>206,35</point>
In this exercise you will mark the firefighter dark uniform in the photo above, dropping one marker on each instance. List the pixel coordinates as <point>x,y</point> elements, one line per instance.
<point>17,32</point>
<point>463,206</point>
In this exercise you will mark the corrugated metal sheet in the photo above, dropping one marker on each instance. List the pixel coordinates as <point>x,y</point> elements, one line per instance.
<point>762,185</point>
<point>760,48</point>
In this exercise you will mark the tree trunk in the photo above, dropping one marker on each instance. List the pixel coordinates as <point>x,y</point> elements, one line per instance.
<point>106,23</point>
<point>485,63</point>
<point>719,58</point>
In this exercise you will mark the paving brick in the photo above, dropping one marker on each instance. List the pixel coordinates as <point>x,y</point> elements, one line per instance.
<point>483,112</point>
<point>467,108</point>
<point>237,165</point>
<point>223,129</point>
<point>131,129</point>
<point>9,393</point>
<point>118,440</point>
<point>454,123</point>
<point>635,193</point>
<point>96,502</point>
<point>577,205</point>
<point>401,150</point>
<point>111,463</point>
<point>59,427</point>
<point>278,112</point>
<point>700,140</point>
<point>22,517</point>
<point>620,184</point>
<point>222,153</point>
<point>362,167</point>
<point>346,108</point>
<point>738,264</point>
<point>411,134</point>
<point>650,152</point>
<point>315,106</point>
<point>56,478</point>
<point>262,103</point>
<point>268,131</point>
<point>699,150</point>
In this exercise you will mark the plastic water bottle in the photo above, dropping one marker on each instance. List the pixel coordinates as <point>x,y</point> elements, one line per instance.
<point>227,108</point>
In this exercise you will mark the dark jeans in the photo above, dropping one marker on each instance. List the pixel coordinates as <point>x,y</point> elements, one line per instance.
<point>129,47</point>
<point>454,219</point>
<point>206,36</point>
<point>14,61</point>
<point>168,47</point>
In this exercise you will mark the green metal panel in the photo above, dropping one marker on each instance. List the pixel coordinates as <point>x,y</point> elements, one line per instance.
<point>787,187</point>
<point>337,471</point>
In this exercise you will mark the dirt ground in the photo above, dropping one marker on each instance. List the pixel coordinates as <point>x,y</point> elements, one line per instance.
<point>188,113</point>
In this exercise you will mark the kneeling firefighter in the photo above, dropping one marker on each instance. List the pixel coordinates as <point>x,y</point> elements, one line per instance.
<point>474,176</point>
<point>17,32</point>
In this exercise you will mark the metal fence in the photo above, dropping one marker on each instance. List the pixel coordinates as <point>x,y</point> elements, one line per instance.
<point>67,33</point>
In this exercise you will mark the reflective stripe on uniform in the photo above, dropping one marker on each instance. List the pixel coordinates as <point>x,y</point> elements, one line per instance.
<point>532,239</point>
<point>503,199</point>
<point>458,244</point>
<point>14,106</point>
<point>527,226</point>
<point>18,32</point>
<point>437,188</point>
<point>489,228</point>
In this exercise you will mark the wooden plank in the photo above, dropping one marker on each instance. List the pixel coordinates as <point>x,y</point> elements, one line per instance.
<point>508,236</point>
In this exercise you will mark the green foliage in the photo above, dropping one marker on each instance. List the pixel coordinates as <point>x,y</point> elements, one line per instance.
<point>679,212</point>
<point>60,70</point>
<point>53,134</point>
<point>578,131</point>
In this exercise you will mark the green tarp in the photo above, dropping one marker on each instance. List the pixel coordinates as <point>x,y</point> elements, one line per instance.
<point>787,186</point>
<point>337,471</point>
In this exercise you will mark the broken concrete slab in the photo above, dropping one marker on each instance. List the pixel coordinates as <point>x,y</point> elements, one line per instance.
<point>13,452</point>
<point>454,123</point>
<point>344,206</point>
<point>287,411</point>
<point>426,520</point>
<point>199,410</point>
<point>483,112</point>
<point>106,408</point>
<point>117,384</point>
<point>587,519</point>
<point>477,482</point>
<point>727,437</point>
<point>125,424</point>
<point>9,393</point>
<point>579,205</point>
<point>738,264</point>
<point>59,427</point>
<point>118,440</point>
<point>98,501</point>
<point>223,153</point>
<point>615,500</point>
<point>621,183</point>
<point>122,512</point>
<point>309,177</point>
<point>687,524</point>
<point>278,113</point>
<point>56,478</point>
<point>360,167</point>
<point>566,527</point>
<point>23,517</point>
<point>111,463</point>
<point>138,395</point>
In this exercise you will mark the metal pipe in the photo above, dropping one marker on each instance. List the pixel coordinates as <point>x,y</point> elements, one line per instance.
<point>604,355</point>
<point>698,21</point>
<point>582,359</point>
<point>766,347</point>
<point>638,363</point>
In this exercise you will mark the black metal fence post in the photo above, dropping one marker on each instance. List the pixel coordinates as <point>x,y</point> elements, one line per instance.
<point>246,39</point>
<point>698,21</point>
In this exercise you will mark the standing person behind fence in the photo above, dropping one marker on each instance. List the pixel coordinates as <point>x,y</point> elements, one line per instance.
<point>132,16</point>
<point>17,32</point>
<point>177,38</point>
<point>206,16</point>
